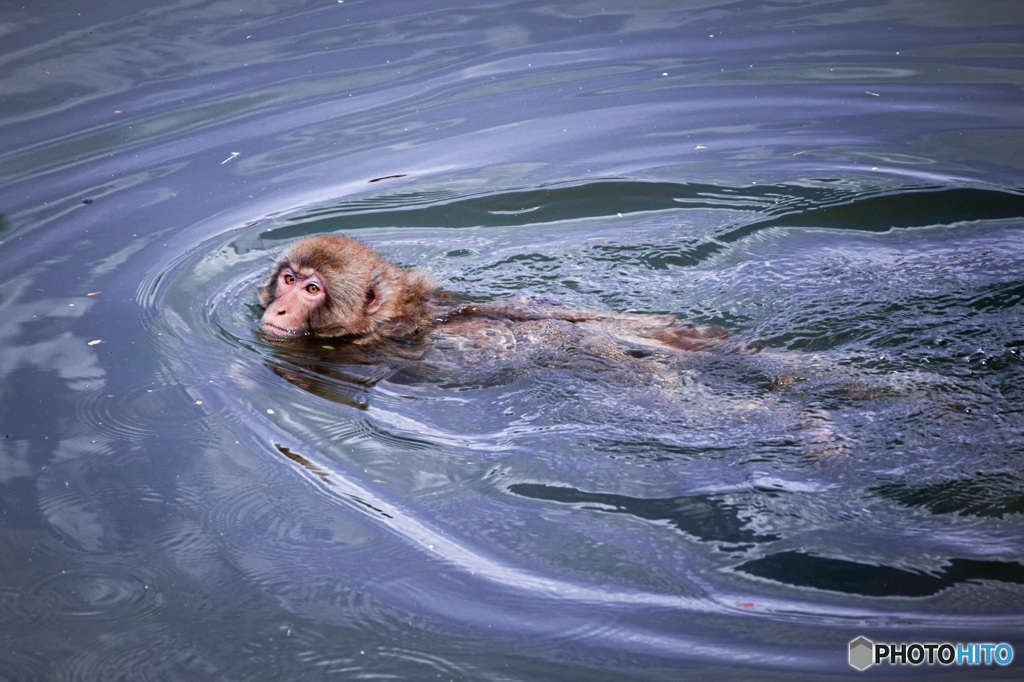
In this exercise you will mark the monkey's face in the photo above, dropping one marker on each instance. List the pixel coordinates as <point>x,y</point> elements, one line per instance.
<point>332,286</point>
<point>297,294</point>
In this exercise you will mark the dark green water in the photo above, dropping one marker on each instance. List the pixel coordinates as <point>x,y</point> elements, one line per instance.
<point>839,184</point>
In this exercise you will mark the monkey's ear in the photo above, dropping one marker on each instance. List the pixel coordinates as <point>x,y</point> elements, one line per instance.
<point>374,300</point>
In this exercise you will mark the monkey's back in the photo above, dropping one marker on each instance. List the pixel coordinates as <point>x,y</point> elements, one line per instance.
<point>528,333</point>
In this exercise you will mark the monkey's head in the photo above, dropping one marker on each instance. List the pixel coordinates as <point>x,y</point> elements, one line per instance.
<point>333,286</point>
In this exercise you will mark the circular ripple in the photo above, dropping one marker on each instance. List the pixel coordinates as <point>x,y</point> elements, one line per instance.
<point>139,411</point>
<point>137,656</point>
<point>86,593</point>
<point>15,619</point>
<point>118,601</point>
<point>18,664</point>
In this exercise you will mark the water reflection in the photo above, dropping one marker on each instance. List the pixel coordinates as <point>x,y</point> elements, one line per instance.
<point>334,369</point>
<point>984,494</point>
<point>840,575</point>
<point>706,517</point>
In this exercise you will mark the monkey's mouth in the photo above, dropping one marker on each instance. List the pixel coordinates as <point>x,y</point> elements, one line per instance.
<point>271,328</point>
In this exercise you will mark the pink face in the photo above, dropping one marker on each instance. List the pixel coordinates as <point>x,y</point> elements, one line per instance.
<point>298,294</point>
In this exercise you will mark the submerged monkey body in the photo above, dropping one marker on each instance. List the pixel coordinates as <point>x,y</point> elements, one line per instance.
<point>334,286</point>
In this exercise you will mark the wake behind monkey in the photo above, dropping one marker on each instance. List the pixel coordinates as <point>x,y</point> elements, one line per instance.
<point>333,286</point>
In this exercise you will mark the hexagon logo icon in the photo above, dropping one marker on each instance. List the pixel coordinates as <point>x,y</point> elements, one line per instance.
<point>862,653</point>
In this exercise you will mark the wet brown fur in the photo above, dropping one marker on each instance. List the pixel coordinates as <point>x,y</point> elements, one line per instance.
<point>354,276</point>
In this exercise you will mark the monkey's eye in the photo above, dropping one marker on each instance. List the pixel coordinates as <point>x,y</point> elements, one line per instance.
<point>289,278</point>
<point>312,288</point>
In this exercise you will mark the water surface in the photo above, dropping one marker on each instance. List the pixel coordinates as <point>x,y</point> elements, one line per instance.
<point>837,183</point>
